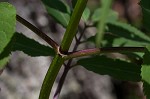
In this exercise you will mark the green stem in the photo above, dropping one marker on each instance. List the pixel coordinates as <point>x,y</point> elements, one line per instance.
<point>96,51</point>
<point>68,65</point>
<point>38,32</point>
<point>66,42</point>
<point>50,77</point>
<point>106,4</point>
<point>73,24</point>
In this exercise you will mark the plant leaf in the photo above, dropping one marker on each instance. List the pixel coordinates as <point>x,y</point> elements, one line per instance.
<point>113,15</point>
<point>86,14</point>
<point>146,13</point>
<point>127,31</point>
<point>28,46</point>
<point>116,68</point>
<point>58,10</point>
<point>145,72</point>
<point>7,28</point>
<point>31,47</point>
<point>111,40</point>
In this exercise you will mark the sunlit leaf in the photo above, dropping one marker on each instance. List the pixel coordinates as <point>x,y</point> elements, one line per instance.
<point>86,14</point>
<point>113,16</point>
<point>7,28</point>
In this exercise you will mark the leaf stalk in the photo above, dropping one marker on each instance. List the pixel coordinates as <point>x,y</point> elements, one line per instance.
<point>38,32</point>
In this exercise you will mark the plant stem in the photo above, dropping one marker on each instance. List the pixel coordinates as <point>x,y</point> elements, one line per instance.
<point>65,46</point>
<point>96,51</point>
<point>38,32</point>
<point>50,77</point>
<point>68,66</point>
<point>106,4</point>
<point>66,42</point>
<point>73,24</point>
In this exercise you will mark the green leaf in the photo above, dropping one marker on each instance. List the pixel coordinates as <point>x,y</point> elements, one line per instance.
<point>31,47</point>
<point>145,4</point>
<point>125,42</point>
<point>127,31</point>
<point>28,46</point>
<point>113,15</point>
<point>116,68</point>
<point>86,14</point>
<point>145,72</point>
<point>111,40</point>
<point>7,28</point>
<point>58,10</point>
